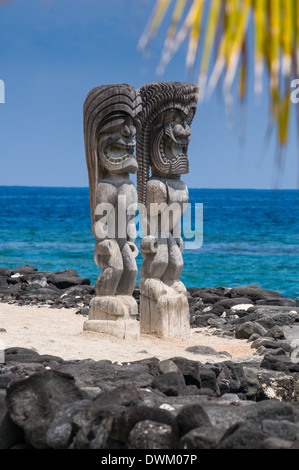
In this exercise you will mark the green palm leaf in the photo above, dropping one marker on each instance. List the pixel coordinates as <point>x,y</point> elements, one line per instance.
<point>224,28</point>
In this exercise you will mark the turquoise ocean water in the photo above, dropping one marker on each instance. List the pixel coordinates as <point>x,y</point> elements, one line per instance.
<point>249,236</point>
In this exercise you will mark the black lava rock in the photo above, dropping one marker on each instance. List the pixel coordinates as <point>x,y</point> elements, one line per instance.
<point>242,436</point>
<point>247,329</point>
<point>33,402</point>
<point>190,417</point>
<point>253,292</point>
<point>171,383</point>
<point>189,369</point>
<point>150,435</point>
<point>88,404</point>
<point>124,422</point>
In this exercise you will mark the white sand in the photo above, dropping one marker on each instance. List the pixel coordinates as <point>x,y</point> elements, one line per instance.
<point>60,332</point>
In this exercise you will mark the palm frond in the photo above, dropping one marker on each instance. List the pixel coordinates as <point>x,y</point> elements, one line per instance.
<point>210,39</point>
<point>224,27</point>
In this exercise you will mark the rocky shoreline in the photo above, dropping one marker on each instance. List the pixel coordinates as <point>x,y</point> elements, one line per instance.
<point>48,402</point>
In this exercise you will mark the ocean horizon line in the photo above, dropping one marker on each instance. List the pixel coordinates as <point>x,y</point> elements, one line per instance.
<point>189,187</point>
<point>250,236</point>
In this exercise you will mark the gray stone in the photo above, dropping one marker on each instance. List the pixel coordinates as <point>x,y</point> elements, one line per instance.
<point>10,433</point>
<point>280,317</point>
<point>206,437</point>
<point>230,398</point>
<point>190,417</point>
<point>275,362</point>
<point>276,332</point>
<point>189,369</point>
<point>3,282</point>
<point>253,292</point>
<point>25,269</point>
<point>167,366</point>
<point>171,383</point>
<point>273,352</point>
<point>60,432</point>
<point>279,385</point>
<point>242,436</point>
<point>216,322</point>
<point>291,332</point>
<point>207,351</point>
<point>150,435</point>
<point>281,429</point>
<point>245,330</point>
<point>64,281</point>
<point>252,383</point>
<point>230,378</point>
<point>277,302</point>
<point>153,398</point>
<point>271,344</point>
<point>24,355</point>
<point>208,380</point>
<point>224,416</point>
<point>228,303</point>
<point>125,394</point>
<point>22,371</point>
<point>99,373</point>
<point>5,271</point>
<point>92,426</point>
<point>101,434</point>
<point>253,337</point>
<point>90,392</point>
<point>276,444</point>
<point>124,422</point>
<point>32,403</point>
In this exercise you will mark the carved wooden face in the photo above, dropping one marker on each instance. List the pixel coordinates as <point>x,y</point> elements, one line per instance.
<point>116,144</point>
<point>169,141</point>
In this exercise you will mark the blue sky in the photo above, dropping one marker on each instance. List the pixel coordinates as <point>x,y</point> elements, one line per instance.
<point>52,52</point>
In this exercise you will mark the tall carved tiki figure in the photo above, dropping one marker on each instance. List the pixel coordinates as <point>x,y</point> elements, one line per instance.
<point>168,109</point>
<point>110,120</point>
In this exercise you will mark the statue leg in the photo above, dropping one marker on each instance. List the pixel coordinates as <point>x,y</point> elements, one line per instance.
<point>109,312</point>
<point>164,311</point>
<point>175,265</point>
<point>127,282</point>
<point>108,258</point>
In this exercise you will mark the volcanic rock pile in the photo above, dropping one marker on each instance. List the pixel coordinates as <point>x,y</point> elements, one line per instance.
<point>47,402</point>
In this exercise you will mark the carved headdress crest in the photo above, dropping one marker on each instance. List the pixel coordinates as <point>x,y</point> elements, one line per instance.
<point>103,105</point>
<point>158,97</point>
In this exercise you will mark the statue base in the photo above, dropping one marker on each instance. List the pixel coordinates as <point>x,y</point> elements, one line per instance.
<point>114,315</point>
<point>165,316</point>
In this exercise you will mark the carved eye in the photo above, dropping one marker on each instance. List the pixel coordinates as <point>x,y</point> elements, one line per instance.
<point>173,115</point>
<point>125,130</point>
<point>137,124</point>
<point>159,120</point>
<point>190,116</point>
<point>128,128</point>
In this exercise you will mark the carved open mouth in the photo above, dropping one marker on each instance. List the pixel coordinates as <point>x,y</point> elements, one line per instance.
<point>118,152</point>
<point>171,150</point>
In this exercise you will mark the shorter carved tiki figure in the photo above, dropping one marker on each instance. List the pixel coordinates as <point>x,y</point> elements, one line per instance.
<point>162,144</point>
<point>110,120</point>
